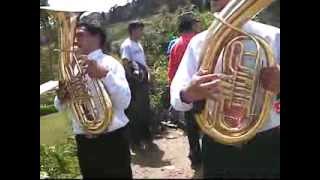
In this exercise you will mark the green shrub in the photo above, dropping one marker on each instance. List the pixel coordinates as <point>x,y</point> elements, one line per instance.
<point>47,98</point>
<point>47,109</point>
<point>59,161</point>
<point>154,41</point>
<point>206,19</point>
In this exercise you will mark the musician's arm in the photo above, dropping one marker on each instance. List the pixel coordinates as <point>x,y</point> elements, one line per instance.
<point>125,54</point>
<point>61,97</point>
<point>117,85</point>
<point>276,47</point>
<point>187,68</point>
<point>270,76</point>
<point>58,105</point>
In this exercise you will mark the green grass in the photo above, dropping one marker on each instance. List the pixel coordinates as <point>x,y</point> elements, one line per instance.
<point>54,128</point>
<point>119,30</point>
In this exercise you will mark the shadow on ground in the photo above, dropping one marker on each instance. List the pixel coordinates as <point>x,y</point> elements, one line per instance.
<point>152,157</point>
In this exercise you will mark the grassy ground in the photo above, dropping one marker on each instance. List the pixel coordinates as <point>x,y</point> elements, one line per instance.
<point>54,128</point>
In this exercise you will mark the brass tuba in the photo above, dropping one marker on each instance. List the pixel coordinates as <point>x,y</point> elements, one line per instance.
<point>237,117</point>
<point>91,106</point>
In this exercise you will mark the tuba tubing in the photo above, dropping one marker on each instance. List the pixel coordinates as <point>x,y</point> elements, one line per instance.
<point>91,106</point>
<point>239,115</point>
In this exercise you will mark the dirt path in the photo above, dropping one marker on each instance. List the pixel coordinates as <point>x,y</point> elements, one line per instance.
<point>168,159</point>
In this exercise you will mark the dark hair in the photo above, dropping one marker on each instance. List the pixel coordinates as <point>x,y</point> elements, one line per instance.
<point>94,30</point>
<point>185,26</point>
<point>135,25</point>
<point>186,22</point>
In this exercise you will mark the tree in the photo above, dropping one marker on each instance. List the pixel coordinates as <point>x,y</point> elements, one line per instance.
<point>48,42</point>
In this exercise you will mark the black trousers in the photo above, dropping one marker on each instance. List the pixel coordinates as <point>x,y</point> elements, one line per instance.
<point>193,132</point>
<point>106,156</point>
<point>260,158</point>
<point>139,113</point>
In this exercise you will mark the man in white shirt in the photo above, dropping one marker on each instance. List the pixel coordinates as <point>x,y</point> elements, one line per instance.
<point>137,74</point>
<point>260,156</point>
<point>105,155</point>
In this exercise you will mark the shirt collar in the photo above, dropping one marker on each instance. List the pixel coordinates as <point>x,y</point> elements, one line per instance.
<point>95,54</point>
<point>135,41</point>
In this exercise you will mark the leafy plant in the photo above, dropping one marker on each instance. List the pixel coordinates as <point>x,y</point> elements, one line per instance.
<point>47,109</point>
<point>47,98</point>
<point>59,161</point>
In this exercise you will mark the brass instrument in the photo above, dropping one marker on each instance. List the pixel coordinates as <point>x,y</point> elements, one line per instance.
<point>90,102</point>
<point>240,114</point>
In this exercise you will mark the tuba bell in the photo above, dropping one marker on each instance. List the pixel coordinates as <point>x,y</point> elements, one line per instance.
<point>241,113</point>
<point>92,106</point>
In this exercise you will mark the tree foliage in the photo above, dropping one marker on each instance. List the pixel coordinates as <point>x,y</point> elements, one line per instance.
<point>48,42</point>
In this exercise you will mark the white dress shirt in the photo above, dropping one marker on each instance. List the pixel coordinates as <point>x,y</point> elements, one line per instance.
<point>191,61</point>
<point>133,51</point>
<point>117,87</point>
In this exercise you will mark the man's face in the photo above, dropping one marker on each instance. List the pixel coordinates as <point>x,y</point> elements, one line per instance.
<point>85,40</point>
<point>196,27</point>
<point>218,5</point>
<point>137,33</point>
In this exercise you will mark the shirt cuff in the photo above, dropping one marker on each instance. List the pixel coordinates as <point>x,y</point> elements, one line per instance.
<point>179,105</point>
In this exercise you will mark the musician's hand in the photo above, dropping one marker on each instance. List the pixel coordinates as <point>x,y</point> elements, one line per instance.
<point>92,68</point>
<point>206,86</point>
<point>74,86</point>
<point>95,70</point>
<point>270,77</point>
<point>135,68</point>
<point>62,92</point>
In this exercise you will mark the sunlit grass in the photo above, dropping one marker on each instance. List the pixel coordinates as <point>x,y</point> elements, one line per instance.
<point>54,128</point>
